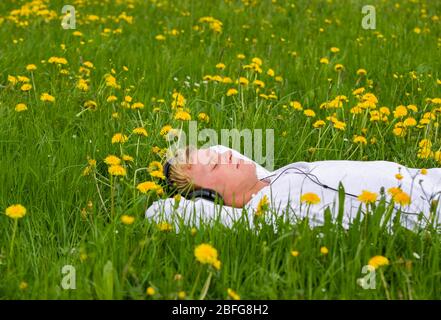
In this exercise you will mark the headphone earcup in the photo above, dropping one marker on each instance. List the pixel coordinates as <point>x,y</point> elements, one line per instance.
<point>206,194</point>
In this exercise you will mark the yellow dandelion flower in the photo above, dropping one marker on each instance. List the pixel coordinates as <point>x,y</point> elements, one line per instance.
<point>295,253</point>
<point>319,124</point>
<point>218,78</point>
<point>412,107</point>
<point>205,254</point>
<point>399,132</point>
<point>401,198</point>
<point>361,72</point>
<point>232,92</point>
<point>400,111</point>
<point>296,105</point>
<point>233,295</point>
<point>140,131</point>
<point>47,97</point>
<point>111,81</point>
<point>334,50</point>
<point>339,125</point>
<point>324,60</point>
<point>425,143</point>
<point>82,85</point>
<point>127,158</point>
<point>324,250</point>
<point>23,285</point>
<point>182,115</point>
<point>243,81</point>
<point>111,98</point>
<point>137,105</point>
<point>358,91</point>
<point>155,165</point>
<point>259,83</point>
<point>359,139</point>
<point>227,80</point>
<point>150,291</point>
<point>147,186</point>
<point>310,198</point>
<point>88,64</point>
<point>26,87</point>
<point>309,113</point>
<point>31,67</point>
<point>181,295</point>
<point>165,129</point>
<point>15,211</point>
<point>394,190</point>
<point>262,206</point>
<point>378,261</point>
<point>399,176</point>
<point>410,122</point>
<point>423,171</point>
<point>178,100</point>
<point>83,256</point>
<point>23,79</point>
<point>164,227</point>
<point>13,80</point>
<point>90,104</point>
<point>157,174</point>
<point>367,197</point>
<point>257,61</point>
<point>126,219</point>
<point>220,66</point>
<point>117,170</point>
<point>339,67</point>
<point>21,107</point>
<point>119,138</point>
<point>202,116</point>
<point>57,60</point>
<point>112,160</point>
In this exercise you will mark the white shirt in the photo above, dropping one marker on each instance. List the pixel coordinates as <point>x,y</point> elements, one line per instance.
<point>289,183</point>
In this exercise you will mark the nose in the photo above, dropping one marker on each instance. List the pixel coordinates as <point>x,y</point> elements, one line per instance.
<point>227,157</point>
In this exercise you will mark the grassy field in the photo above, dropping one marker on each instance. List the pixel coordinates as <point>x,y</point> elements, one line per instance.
<point>151,65</point>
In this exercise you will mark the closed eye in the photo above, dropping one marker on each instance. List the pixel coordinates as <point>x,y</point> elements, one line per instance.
<point>214,167</point>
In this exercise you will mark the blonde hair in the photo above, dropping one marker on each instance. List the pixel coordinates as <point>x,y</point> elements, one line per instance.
<point>178,174</point>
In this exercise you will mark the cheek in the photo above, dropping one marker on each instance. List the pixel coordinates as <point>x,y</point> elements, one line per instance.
<point>199,178</point>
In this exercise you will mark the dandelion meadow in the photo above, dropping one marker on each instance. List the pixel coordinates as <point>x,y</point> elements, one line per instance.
<point>85,109</point>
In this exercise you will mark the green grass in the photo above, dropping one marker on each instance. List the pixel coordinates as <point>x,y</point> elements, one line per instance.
<point>44,150</point>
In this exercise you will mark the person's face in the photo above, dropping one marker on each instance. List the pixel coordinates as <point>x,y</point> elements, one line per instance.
<point>221,172</point>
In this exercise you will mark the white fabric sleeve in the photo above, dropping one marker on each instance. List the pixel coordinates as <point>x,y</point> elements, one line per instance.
<point>194,213</point>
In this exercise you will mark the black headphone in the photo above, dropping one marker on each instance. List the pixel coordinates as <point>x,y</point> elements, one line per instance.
<point>203,193</point>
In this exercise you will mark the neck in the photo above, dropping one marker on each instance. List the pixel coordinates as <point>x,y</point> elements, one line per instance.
<point>247,195</point>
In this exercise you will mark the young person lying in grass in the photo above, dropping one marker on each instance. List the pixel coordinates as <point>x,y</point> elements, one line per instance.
<point>415,191</point>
